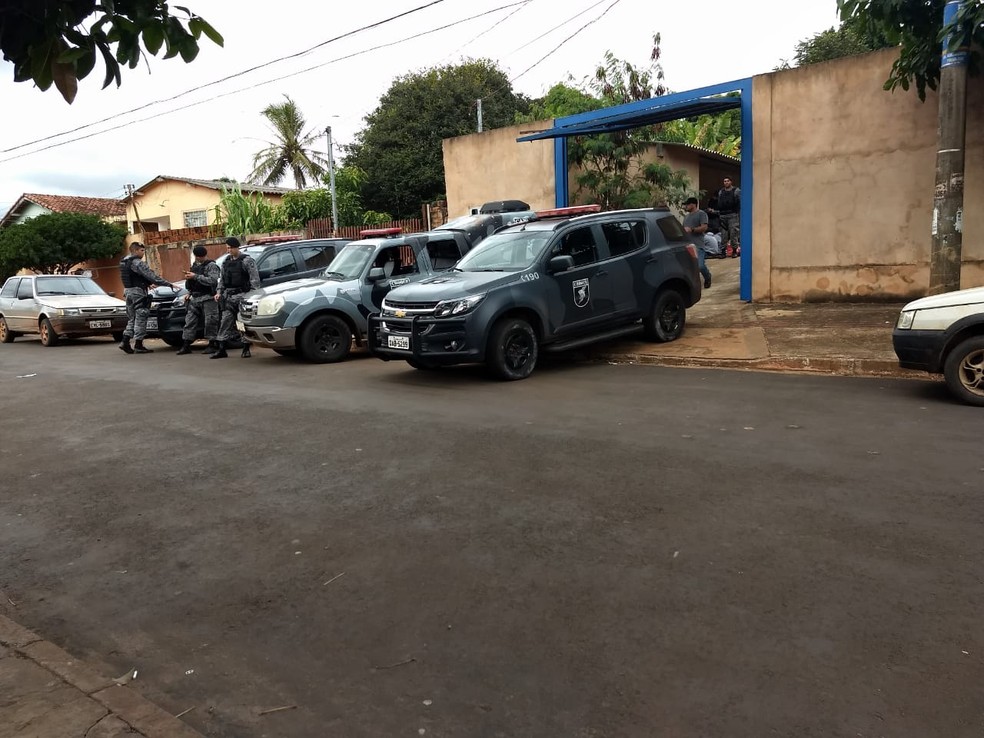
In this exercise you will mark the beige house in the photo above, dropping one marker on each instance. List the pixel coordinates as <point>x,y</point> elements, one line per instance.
<point>172,203</point>
<point>840,182</point>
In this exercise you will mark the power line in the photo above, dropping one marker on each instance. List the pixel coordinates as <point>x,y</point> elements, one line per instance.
<point>559,25</point>
<point>557,47</point>
<point>487,30</point>
<point>225,79</point>
<point>261,84</point>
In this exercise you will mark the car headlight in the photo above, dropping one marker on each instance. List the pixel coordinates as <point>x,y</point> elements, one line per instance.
<point>905,319</point>
<point>270,305</point>
<point>178,301</point>
<point>69,311</point>
<point>456,307</point>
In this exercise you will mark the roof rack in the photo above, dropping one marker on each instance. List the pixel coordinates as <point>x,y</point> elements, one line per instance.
<point>380,232</point>
<point>568,212</point>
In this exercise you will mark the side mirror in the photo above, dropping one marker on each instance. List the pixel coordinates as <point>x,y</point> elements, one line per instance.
<point>376,274</point>
<point>560,264</point>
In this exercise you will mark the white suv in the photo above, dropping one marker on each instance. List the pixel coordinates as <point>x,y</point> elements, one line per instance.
<point>945,334</point>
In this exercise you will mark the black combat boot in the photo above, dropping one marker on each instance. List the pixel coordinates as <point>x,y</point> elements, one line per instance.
<point>220,352</point>
<point>125,345</point>
<point>210,349</point>
<point>139,348</point>
<point>185,348</point>
<point>246,354</point>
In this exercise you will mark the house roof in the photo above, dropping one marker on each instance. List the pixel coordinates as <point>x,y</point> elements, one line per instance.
<point>217,184</point>
<point>102,206</point>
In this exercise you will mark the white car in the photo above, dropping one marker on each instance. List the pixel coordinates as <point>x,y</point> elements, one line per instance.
<point>945,334</point>
<point>57,305</point>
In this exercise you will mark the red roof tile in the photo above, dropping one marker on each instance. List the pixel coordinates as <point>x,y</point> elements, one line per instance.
<point>71,204</point>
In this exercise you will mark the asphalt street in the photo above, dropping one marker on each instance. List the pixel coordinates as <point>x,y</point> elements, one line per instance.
<point>599,550</point>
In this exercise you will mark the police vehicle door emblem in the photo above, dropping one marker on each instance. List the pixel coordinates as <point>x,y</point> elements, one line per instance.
<point>582,292</point>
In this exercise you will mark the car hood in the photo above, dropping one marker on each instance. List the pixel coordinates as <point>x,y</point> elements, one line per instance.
<point>297,285</point>
<point>452,285</point>
<point>974,296</point>
<point>80,301</point>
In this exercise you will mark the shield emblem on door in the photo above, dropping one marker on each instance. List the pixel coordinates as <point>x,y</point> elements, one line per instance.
<point>582,292</point>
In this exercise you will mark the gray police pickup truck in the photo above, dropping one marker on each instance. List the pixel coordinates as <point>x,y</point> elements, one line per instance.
<point>571,277</point>
<point>319,317</point>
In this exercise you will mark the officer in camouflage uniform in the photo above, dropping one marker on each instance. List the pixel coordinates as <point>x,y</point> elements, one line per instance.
<point>201,282</point>
<point>137,277</point>
<point>239,276</point>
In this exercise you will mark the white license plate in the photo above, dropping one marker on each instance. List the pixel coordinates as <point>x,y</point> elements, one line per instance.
<point>151,324</point>
<point>240,327</point>
<point>100,324</point>
<point>398,342</point>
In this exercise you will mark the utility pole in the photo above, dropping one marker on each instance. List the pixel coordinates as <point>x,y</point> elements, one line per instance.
<point>944,270</point>
<point>331,184</point>
<point>479,115</point>
<point>136,213</point>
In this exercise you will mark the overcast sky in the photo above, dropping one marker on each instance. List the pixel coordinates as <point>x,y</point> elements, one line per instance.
<point>704,42</point>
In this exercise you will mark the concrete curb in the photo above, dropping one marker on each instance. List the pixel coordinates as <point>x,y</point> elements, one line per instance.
<point>838,366</point>
<point>126,704</point>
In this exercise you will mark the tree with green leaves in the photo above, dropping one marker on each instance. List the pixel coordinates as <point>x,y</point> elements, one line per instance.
<point>612,172</point>
<point>400,147</point>
<point>57,41</point>
<point>852,37</point>
<point>290,152</point>
<point>560,101</point>
<point>916,27</point>
<point>56,242</point>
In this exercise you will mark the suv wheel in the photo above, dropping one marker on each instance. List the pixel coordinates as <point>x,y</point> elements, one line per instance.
<point>513,349</point>
<point>6,335</point>
<point>48,335</point>
<point>668,317</point>
<point>964,371</point>
<point>325,340</point>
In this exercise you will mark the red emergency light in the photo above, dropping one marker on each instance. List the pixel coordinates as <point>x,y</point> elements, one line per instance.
<point>380,232</point>
<point>568,212</point>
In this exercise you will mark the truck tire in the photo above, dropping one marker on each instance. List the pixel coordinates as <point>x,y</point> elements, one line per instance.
<point>668,317</point>
<point>325,340</point>
<point>964,371</point>
<point>47,331</point>
<point>513,349</point>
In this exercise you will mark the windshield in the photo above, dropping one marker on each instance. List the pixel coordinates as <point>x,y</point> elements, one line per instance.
<point>350,261</point>
<point>506,252</point>
<point>67,286</point>
<point>254,251</point>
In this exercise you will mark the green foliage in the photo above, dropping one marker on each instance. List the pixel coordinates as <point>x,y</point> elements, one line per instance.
<point>916,27</point>
<point>400,147</point>
<point>611,173</point>
<point>372,218</point>
<point>720,132</point>
<point>56,242</point>
<point>252,213</point>
<point>561,100</point>
<point>289,152</point>
<point>302,206</point>
<point>56,41</point>
<point>852,37</point>
<point>349,181</point>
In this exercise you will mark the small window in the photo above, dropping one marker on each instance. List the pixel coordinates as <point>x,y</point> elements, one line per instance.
<point>26,289</point>
<point>443,253</point>
<point>277,264</point>
<point>195,218</point>
<point>672,230</point>
<point>317,257</point>
<point>397,261</point>
<point>579,244</point>
<point>10,288</point>
<point>625,236</point>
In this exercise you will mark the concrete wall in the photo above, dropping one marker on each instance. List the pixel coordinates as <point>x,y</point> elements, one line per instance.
<point>844,175</point>
<point>492,166</point>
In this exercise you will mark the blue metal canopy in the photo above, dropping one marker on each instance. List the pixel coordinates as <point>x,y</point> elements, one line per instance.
<point>624,120</point>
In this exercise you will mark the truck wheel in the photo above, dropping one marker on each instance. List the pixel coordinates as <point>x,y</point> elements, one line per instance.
<point>6,335</point>
<point>513,349</point>
<point>325,340</point>
<point>668,317</point>
<point>964,371</point>
<point>48,335</point>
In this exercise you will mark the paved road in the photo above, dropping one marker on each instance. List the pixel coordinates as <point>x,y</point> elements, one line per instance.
<point>596,551</point>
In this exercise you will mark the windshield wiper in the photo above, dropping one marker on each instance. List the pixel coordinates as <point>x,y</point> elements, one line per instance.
<point>52,293</point>
<point>488,270</point>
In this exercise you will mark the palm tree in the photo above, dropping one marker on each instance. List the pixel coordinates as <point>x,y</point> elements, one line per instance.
<point>289,151</point>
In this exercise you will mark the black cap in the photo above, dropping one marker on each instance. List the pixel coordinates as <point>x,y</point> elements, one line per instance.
<point>232,242</point>
<point>691,201</point>
<point>200,251</point>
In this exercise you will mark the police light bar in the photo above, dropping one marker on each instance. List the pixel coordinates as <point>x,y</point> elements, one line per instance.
<point>568,212</point>
<point>380,232</point>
